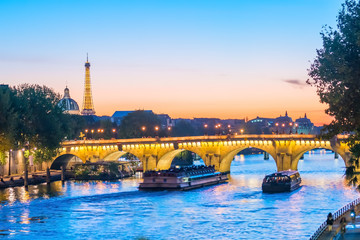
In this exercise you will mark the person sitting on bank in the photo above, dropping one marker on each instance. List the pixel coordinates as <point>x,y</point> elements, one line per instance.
<point>330,221</point>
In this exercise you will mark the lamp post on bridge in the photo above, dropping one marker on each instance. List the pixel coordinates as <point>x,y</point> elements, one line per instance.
<point>277,128</point>
<point>156,131</point>
<point>291,127</point>
<point>143,129</point>
<point>229,129</point>
<point>169,131</point>
<point>114,132</point>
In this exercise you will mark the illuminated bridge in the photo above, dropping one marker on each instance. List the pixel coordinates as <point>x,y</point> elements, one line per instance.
<point>158,153</point>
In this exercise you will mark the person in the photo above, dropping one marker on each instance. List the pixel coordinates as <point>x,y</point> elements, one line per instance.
<point>330,221</point>
<point>343,224</point>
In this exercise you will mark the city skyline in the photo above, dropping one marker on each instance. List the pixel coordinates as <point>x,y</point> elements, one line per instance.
<point>220,59</point>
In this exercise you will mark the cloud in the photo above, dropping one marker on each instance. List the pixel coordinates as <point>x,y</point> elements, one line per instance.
<point>296,83</point>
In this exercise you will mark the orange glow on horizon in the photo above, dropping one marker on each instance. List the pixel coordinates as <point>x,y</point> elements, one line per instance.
<point>318,117</point>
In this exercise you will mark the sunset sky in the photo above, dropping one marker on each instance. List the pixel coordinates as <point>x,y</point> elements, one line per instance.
<point>186,58</point>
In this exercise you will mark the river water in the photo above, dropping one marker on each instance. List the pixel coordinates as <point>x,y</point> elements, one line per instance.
<point>234,210</point>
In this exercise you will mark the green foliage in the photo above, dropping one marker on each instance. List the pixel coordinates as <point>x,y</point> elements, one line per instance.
<point>75,125</point>
<point>132,124</point>
<point>8,118</point>
<point>44,155</point>
<point>184,128</point>
<point>335,73</point>
<point>3,158</point>
<point>42,123</point>
<point>31,118</point>
<point>183,158</point>
<point>98,171</point>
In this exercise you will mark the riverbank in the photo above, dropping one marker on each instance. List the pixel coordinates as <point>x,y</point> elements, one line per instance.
<point>33,179</point>
<point>352,229</point>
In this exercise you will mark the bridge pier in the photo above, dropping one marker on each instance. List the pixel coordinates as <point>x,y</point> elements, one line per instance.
<point>284,161</point>
<point>215,160</point>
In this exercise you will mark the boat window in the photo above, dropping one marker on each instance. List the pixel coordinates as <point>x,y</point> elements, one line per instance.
<point>165,179</point>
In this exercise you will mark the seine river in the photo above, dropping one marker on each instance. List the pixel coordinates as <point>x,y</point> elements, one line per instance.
<point>234,210</point>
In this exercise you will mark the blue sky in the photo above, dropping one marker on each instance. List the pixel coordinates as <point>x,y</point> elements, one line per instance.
<point>187,58</point>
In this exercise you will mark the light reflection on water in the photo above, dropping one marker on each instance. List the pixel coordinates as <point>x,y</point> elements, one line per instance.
<point>235,210</point>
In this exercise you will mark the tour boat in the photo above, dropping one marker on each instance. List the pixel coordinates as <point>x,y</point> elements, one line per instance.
<point>283,181</point>
<point>182,178</point>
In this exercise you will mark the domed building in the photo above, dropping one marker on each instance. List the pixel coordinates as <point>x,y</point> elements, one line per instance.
<point>283,124</point>
<point>68,104</point>
<point>304,125</point>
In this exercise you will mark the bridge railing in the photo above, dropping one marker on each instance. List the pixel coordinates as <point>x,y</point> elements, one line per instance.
<point>339,213</point>
<point>196,138</point>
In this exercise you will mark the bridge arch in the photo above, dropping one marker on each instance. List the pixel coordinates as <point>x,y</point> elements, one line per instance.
<point>297,157</point>
<point>114,156</point>
<point>225,164</point>
<point>166,160</point>
<point>63,160</point>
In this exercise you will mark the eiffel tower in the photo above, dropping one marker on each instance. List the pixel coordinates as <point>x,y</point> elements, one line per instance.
<point>88,106</point>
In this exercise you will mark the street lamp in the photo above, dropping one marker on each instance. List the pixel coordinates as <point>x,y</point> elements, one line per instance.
<point>92,133</point>
<point>205,126</point>
<point>241,131</point>
<point>86,131</point>
<point>169,130</point>
<point>114,132</point>
<point>143,129</point>
<point>156,130</point>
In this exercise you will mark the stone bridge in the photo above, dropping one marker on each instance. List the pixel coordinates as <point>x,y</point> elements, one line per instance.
<point>158,153</point>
